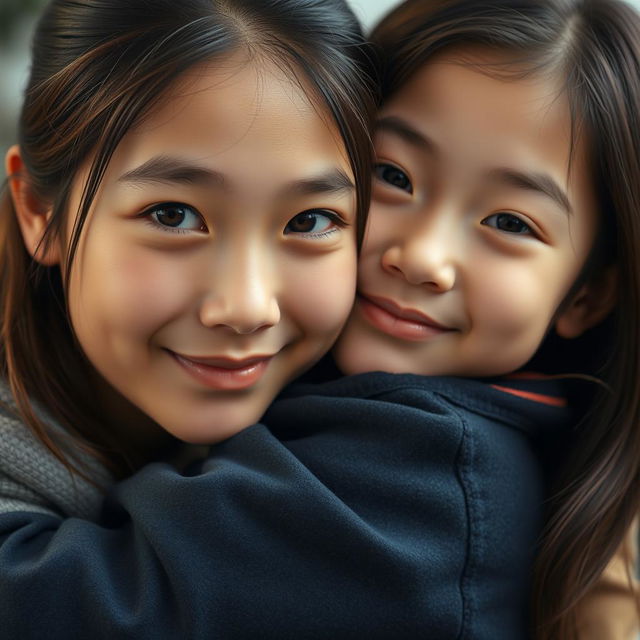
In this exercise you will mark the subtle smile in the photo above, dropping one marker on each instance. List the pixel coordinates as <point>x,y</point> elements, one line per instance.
<point>222,373</point>
<point>394,320</point>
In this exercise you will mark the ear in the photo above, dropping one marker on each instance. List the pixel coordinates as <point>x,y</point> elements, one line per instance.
<point>590,305</point>
<point>32,214</point>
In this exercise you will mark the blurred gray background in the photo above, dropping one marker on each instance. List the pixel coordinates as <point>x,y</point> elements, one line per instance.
<point>17,18</point>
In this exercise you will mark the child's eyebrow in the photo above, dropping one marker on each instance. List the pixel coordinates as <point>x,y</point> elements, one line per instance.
<point>530,181</point>
<point>537,182</point>
<point>405,131</point>
<point>333,181</point>
<point>171,170</point>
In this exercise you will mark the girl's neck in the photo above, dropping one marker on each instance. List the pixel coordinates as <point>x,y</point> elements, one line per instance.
<point>140,438</point>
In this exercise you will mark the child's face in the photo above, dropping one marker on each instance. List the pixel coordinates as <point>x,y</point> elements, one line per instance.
<point>477,228</point>
<point>219,259</point>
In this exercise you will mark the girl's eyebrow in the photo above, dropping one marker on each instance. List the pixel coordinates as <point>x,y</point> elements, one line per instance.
<point>173,170</point>
<point>532,181</point>
<point>404,130</point>
<point>332,181</point>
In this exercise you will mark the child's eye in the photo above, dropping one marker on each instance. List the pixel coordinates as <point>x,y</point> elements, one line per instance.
<point>173,216</point>
<point>395,177</point>
<point>315,222</point>
<point>509,223</point>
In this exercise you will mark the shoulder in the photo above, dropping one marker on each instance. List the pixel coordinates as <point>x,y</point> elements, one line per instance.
<point>33,479</point>
<point>449,454</point>
<point>529,403</point>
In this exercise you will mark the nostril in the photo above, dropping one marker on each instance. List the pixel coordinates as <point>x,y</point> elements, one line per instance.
<point>241,314</point>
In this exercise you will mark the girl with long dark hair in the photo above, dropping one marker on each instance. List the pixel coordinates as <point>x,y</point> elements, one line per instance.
<point>456,214</point>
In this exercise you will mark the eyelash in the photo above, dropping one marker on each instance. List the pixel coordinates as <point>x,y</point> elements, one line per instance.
<point>381,167</point>
<point>530,232</point>
<point>147,215</point>
<point>331,215</point>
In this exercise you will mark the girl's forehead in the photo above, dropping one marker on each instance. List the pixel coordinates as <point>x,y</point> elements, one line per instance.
<point>213,107</point>
<point>472,97</point>
<point>245,127</point>
<point>487,73</point>
<point>236,80</point>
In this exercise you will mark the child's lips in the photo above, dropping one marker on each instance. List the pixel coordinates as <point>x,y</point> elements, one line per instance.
<point>223,373</point>
<point>397,321</point>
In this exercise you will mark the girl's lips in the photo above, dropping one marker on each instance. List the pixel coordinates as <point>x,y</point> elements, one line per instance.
<point>224,374</point>
<point>405,324</point>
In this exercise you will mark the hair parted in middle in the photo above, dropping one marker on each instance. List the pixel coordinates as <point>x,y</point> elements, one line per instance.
<point>98,68</point>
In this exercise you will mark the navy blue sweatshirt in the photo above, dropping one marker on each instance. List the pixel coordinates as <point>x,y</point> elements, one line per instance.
<point>376,506</point>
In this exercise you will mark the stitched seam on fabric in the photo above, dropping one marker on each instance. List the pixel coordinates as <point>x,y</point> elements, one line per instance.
<point>466,457</point>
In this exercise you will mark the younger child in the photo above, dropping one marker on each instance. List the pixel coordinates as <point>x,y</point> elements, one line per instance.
<point>504,227</point>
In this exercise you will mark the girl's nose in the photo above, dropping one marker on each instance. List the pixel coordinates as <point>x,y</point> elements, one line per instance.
<point>422,257</point>
<point>242,297</point>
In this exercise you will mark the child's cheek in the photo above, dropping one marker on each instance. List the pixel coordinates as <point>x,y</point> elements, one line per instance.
<point>510,310</point>
<point>320,293</point>
<point>123,296</point>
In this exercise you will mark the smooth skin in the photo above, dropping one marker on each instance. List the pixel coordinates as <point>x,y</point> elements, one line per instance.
<point>218,260</point>
<point>478,227</point>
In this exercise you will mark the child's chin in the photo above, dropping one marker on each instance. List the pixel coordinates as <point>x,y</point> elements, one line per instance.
<point>216,429</point>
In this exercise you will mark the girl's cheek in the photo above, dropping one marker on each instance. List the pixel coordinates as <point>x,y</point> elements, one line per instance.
<point>322,293</point>
<point>126,287</point>
<point>143,287</point>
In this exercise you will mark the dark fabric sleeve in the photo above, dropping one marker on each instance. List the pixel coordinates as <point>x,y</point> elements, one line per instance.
<point>385,512</point>
<point>252,546</point>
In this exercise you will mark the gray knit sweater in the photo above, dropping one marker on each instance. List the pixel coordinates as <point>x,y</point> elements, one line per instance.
<point>33,479</point>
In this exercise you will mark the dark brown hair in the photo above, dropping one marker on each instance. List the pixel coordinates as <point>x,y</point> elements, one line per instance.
<point>97,68</point>
<point>594,46</point>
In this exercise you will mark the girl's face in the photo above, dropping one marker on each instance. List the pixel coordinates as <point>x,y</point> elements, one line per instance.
<point>478,227</point>
<point>219,258</point>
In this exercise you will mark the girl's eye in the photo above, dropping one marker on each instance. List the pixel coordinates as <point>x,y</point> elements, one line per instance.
<point>176,217</point>
<point>314,222</point>
<point>508,223</point>
<point>393,176</point>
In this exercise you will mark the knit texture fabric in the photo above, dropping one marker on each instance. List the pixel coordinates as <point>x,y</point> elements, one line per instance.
<point>33,479</point>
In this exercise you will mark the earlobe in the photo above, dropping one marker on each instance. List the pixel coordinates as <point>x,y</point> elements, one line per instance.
<point>590,306</point>
<point>33,215</point>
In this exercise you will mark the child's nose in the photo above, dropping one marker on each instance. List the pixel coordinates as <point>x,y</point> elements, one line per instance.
<point>243,296</point>
<point>423,256</point>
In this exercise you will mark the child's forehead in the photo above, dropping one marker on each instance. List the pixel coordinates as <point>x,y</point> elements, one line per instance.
<point>474,100</point>
<point>469,72</point>
<point>236,80</point>
<point>230,118</point>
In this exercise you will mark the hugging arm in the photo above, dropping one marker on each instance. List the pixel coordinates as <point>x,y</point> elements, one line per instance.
<point>376,508</point>
<point>252,542</point>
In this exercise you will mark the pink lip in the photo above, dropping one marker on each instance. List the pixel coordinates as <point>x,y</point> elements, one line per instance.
<point>222,373</point>
<point>396,321</point>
